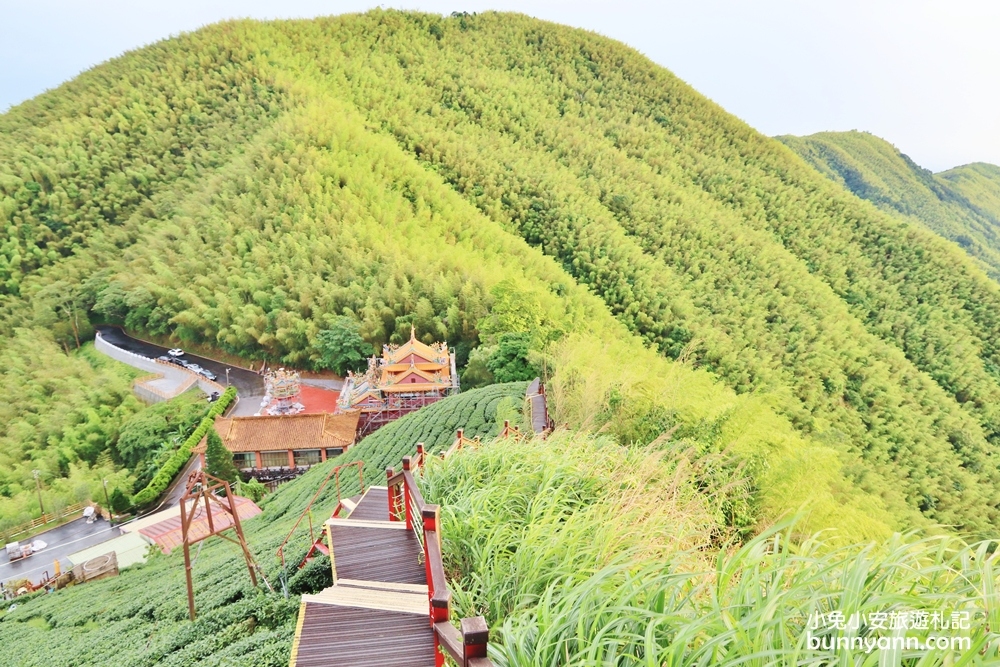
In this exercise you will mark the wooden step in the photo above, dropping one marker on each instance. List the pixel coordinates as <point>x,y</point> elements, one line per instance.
<point>357,523</point>
<point>373,506</point>
<point>370,598</point>
<point>384,585</point>
<point>348,504</point>
<point>375,551</point>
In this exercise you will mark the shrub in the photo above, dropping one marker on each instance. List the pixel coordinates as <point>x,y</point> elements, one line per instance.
<point>314,577</point>
<point>179,458</point>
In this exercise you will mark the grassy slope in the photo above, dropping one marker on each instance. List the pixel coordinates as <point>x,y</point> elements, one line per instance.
<point>962,204</point>
<point>613,566</point>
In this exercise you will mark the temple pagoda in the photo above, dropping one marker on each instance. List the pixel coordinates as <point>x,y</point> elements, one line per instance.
<point>406,378</point>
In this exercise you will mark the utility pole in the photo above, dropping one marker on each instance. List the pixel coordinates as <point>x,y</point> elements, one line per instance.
<point>38,487</point>
<point>111,515</point>
<point>227,377</point>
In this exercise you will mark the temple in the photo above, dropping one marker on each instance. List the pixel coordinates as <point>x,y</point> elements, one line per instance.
<point>277,448</point>
<point>406,378</point>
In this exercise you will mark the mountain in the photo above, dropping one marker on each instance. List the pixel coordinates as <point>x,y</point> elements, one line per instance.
<point>979,184</point>
<point>739,352</point>
<point>962,204</point>
<point>497,181</point>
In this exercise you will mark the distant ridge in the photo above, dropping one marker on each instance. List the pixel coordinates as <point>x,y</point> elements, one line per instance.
<point>961,204</point>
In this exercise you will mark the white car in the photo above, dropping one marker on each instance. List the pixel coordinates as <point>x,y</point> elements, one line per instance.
<point>176,352</point>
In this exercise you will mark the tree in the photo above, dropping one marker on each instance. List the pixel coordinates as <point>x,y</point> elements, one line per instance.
<point>218,459</point>
<point>341,347</point>
<point>477,373</point>
<point>119,501</point>
<point>140,434</point>
<point>514,310</point>
<point>509,361</point>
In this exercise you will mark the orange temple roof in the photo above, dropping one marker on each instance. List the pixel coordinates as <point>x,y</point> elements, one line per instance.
<point>303,431</point>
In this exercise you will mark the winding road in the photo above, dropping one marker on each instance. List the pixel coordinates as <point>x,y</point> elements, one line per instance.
<point>249,385</point>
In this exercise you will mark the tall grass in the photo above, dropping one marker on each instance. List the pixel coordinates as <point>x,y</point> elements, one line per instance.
<point>580,552</point>
<point>795,475</point>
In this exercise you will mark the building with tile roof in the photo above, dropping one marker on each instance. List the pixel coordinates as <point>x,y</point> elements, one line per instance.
<point>164,528</point>
<point>405,378</point>
<point>284,441</point>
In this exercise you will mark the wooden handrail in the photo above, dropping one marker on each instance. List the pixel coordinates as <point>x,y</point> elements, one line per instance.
<point>450,639</point>
<point>411,487</point>
<point>466,645</point>
<point>335,473</point>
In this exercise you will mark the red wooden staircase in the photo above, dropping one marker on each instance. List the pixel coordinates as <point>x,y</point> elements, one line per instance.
<point>389,604</point>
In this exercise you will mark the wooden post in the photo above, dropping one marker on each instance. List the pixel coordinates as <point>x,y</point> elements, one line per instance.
<point>187,560</point>
<point>475,636</point>
<point>420,454</point>
<point>407,503</point>
<point>239,532</point>
<point>393,506</point>
<point>206,486</point>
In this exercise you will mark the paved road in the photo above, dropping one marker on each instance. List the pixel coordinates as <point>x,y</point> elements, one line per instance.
<point>249,385</point>
<point>173,494</point>
<point>62,541</point>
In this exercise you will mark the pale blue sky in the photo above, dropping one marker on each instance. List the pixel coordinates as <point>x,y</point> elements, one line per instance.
<point>923,74</point>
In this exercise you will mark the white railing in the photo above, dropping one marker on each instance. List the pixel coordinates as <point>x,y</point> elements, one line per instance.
<point>181,378</point>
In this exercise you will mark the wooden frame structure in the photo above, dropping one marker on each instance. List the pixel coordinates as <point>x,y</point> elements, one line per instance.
<point>202,486</point>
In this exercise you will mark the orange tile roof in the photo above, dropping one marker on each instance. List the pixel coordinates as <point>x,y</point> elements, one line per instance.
<point>273,433</point>
<point>168,535</point>
<point>438,353</point>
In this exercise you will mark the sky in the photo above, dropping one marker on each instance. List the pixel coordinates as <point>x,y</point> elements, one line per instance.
<point>922,74</point>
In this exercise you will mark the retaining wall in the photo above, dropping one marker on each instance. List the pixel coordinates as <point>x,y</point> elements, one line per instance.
<point>176,378</point>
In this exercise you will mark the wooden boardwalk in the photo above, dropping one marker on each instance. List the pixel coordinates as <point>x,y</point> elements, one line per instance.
<point>535,395</point>
<point>381,610</point>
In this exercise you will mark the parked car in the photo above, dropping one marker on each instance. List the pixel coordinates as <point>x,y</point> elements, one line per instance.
<point>166,359</point>
<point>204,372</point>
<point>176,352</point>
<point>195,368</point>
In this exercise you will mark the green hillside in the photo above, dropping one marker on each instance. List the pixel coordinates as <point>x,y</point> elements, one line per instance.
<point>244,185</point>
<point>962,204</point>
<point>979,183</point>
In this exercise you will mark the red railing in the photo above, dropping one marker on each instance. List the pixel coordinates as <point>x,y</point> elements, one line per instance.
<point>466,644</point>
<point>335,474</point>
